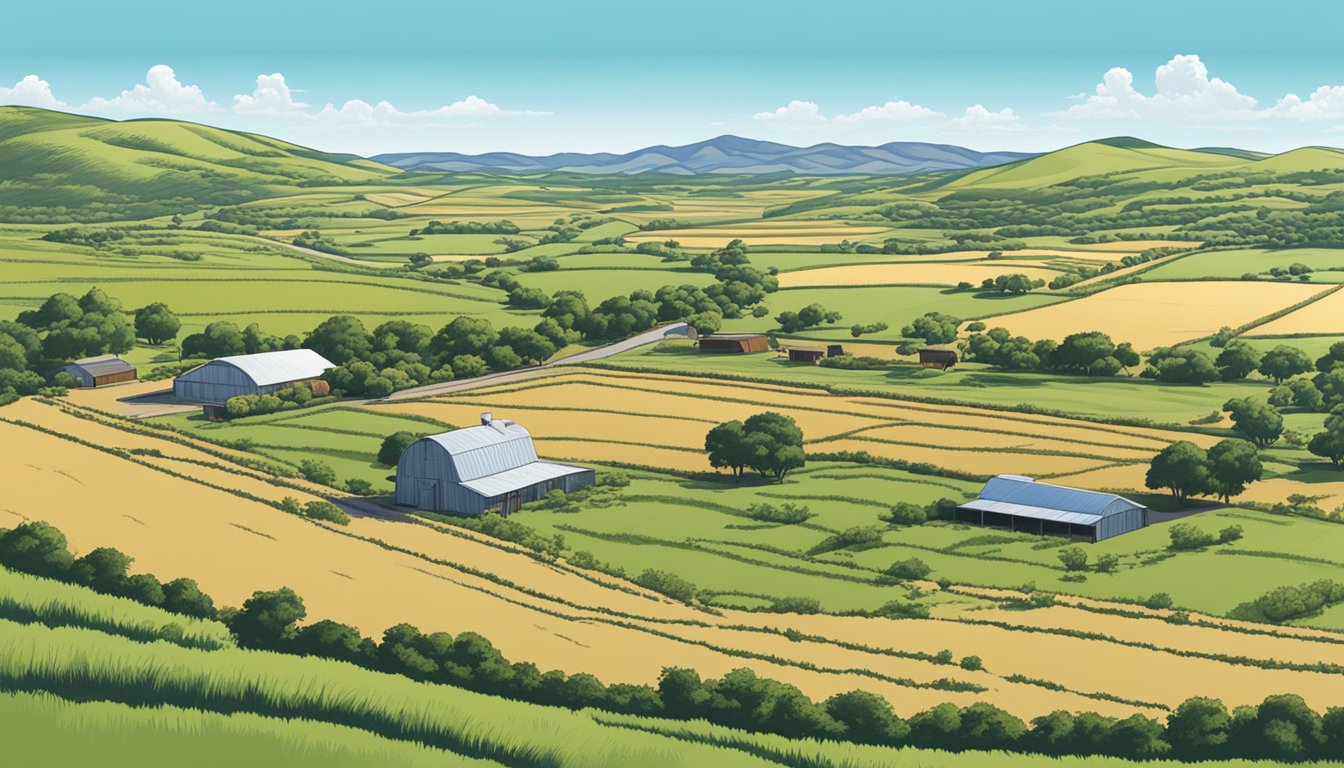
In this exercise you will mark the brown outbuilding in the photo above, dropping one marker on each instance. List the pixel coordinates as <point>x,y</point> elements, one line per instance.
<point>100,371</point>
<point>934,357</point>
<point>735,343</point>
<point>813,353</point>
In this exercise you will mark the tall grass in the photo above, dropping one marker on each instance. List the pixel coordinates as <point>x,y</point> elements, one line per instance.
<point>47,730</point>
<point>81,664</point>
<point>33,600</point>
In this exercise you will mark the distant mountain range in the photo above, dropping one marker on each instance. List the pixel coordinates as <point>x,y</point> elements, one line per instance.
<point>721,155</point>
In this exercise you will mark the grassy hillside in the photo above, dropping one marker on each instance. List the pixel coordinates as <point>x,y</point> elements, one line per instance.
<point>61,167</point>
<point>1110,156</point>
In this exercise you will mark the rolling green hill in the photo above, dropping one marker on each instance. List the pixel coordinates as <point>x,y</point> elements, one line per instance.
<point>61,167</point>
<point>1123,155</point>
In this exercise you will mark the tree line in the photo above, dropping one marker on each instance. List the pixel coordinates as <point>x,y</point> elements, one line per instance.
<point>1282,727</point>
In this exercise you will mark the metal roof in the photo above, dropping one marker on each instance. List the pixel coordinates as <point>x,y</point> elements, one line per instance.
<point>103,365</point>
<point>286,365</point>
<point>514,479</point>
<point>732,336</point>
<point>487,449</point>
<point>1023,510</point>
<point>1025,492</point>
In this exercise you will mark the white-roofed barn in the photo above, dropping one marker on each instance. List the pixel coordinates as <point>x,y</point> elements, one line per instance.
<point>488,468</point>
<point>215,382</point>
<point>1022,504</point>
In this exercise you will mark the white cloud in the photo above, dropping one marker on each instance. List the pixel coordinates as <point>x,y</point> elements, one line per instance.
<point>1325,103</point>
<point>272,96</point>
<point>161,93</point>
<point>978,116</point>
<point>359,113</point>
<point>807,114</point>
<point>1183,89</point>
<point>31,91</point>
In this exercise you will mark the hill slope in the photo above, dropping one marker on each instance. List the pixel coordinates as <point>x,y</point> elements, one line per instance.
<point>69,167</point>
<point>723,154</point>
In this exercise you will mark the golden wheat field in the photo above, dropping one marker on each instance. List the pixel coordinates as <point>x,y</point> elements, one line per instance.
<point>584,415</point>
<point>1152,315</point>
<point>1325,316</point>
<point>909,274</point>
<point>381,571</point>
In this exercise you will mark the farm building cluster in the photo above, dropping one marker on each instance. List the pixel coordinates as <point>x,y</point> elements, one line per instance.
<point>101,371</point>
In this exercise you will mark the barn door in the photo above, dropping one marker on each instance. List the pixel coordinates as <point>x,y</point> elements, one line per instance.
<point>425,494</point>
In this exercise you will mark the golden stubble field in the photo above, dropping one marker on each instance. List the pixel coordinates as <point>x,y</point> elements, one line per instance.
<point>609,416</point>
<point>1152,315</point>
<point>384,570</point>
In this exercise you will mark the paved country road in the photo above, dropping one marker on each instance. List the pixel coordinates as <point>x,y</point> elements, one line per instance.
<point>545,369</point>
<point>162,402</point>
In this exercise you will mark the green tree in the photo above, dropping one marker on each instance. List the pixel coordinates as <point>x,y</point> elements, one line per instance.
<point>1259,421</point>
<point>266,620</point>
<point>1329,443</point>
<point>1182,468</point>
<point>867,718</point>
<point>341,339</point>
<point>776,442</point>
<point>1198,728</point>
<point>395,444</point>
<point>933,328</point>
<point>184,596</point>
<point>1237,360</point>
<point>37,548</point>
<point>156,324</point>
<point>1285,362</point>
<point>219,339</point>
<point>103,569</point>
<point>908,570</point>
<point>1233,465</point>
<point>905,513</point>
<point>728,448</point>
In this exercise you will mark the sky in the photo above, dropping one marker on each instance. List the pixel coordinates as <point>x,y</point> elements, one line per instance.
<point>543,77</point>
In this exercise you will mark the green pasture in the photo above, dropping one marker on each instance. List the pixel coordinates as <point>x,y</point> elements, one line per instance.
<point>1328,263</point>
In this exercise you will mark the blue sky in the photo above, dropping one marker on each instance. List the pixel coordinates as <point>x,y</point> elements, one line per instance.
<point>543,77</point>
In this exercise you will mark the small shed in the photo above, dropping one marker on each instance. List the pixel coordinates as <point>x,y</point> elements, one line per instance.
<point>1021,504</point>
<point>262,373</point>
<point>99,371</point>
<point>937,357</point>
<point>735,343</point>
<point>492,467</point>
<point>813,353</point>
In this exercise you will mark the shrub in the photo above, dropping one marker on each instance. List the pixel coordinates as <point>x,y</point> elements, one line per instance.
<point>850,538</point>
<point>667,583</point>
<point>904,609</point>
<point>971,663</point>
<point>395,444</point>
<point>785,514</point>
<point>325,510</point>
<point>905,513</point>
<point>317,472</point>
<point>1187,536</point>
<point>1229,534</point>
<point>906,570</point>
<point>1073,558</point>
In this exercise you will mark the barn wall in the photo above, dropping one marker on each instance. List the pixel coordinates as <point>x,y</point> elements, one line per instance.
<point>114,378</point>
<point>1120,522</point>
<point>214,382</point>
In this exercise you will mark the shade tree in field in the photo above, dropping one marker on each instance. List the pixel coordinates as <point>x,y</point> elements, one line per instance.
<point>1089,353</point>
<point>1012,284</point>
<point>1187,470</point>
<point>1237,360</point>
<point>395,444</point>
<point>1180,366</point>
<point>1257,420</point>
<point>156,324</point>
<point>1329,442</point>
<point>933,328</point>
<point>1284,362</point>
<point>811,316</point>
<point>770,443</point>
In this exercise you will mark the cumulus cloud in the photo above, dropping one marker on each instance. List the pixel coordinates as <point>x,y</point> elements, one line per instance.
<point>1182,89</point>
<point>807,114</point>
<point>161,93</point>
<point>271,96</point>
<point>1325,103</point>
<point>359,113</point>
<point>978,116</point>
<point>31,91</point>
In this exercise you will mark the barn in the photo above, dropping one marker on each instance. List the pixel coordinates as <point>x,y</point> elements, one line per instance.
<point>937,357</point>
<point>99,371</point>
<point>1022,504</point>
<point>492,467</point>
<point>735,342</point>
<point>215,382</point>
<point>813,353</point>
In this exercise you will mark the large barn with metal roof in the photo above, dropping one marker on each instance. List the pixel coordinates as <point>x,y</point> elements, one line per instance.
<point>262,373</point>
<point>492,467</point>
<point>1022,504</point>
